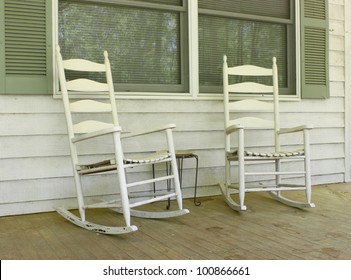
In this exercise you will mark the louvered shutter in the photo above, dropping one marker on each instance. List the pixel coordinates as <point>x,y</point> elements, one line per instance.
<point>26,49</point>
<point>314,49</point>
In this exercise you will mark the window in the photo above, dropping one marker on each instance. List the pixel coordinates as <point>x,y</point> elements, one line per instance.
<point>146,40</point>
<point>248,32</point>
<point>166,47</point>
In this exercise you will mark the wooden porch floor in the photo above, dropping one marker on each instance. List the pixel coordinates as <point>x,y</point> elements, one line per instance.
<point>268,230</point>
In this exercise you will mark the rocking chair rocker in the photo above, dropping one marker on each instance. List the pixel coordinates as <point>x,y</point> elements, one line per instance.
<point>92,128</point>
<point>238,127</point>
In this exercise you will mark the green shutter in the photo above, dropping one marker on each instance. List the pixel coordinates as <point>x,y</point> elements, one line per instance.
<point>314,49</point>
<point>2,48</point>
<point>26,47</point>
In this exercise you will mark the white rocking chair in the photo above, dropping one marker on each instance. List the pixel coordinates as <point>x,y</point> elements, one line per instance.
<point>80,131</point>
<point>237,127</point>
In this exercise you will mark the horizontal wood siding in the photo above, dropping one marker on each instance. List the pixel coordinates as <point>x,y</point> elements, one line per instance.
<point>35,167</point>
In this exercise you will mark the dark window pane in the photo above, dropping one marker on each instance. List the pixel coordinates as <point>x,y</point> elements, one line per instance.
<point>143,44</point>
<point>244,42</point>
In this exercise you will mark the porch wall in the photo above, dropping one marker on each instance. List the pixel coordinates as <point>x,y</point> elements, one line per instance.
<point>35,168</point>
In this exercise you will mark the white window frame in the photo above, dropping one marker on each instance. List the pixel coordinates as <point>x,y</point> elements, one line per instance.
<point>194,92</point>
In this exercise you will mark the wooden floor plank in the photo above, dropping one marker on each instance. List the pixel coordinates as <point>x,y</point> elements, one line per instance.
<point>267,230</point>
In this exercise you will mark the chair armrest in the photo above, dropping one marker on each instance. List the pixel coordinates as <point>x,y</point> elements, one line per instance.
<point>294,129</point>
<point>232,128</point>
<point>98,133</point>
<point>148,131</point>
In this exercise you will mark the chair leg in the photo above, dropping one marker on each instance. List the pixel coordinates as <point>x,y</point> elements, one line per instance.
<point>80,196</point>
<point>241,170</point>
<point>277,177</point>
<point>227,178</point>
<point>169,186</point>
<point>308,181</point>
<point>225,188</point>
<point>180,175</point>
<point>307,167</point>
<point>122,181</point>
<point>174,169</point>
<point>124,196</point>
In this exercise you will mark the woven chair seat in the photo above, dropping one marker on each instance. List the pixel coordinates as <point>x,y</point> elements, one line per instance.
<point>151,158</point>
<point>269,155</point>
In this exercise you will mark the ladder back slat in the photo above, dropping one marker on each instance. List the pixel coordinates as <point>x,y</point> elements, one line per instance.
<point>86,85</point>
<point>249,70</point>
<point>250,87</point>
<point>86,106</point>
<point>83,65</point>
<point>90,126</point>
<point>249,105</point>
<point>252,122</point>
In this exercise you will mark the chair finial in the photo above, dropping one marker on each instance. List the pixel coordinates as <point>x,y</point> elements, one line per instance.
<point>105,54</point>
<point>224,58</point>
<point>274,60</point>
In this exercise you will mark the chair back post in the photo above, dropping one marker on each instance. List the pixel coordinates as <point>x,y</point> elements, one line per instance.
<point>276,104</point>
<point>225,90</point>
<point>69,122</point>
<point>226,101</point>
<point>65,98</point>
<point>111,89</point>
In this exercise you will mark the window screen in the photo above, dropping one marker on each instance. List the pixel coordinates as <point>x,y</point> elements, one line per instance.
<point>143,39</point>
<point>248,32</point>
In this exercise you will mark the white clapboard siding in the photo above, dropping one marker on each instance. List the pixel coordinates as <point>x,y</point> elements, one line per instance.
<point>56,160</point>
<point>337,89</point>
<point>60,166</point>
<point>47,105</point>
